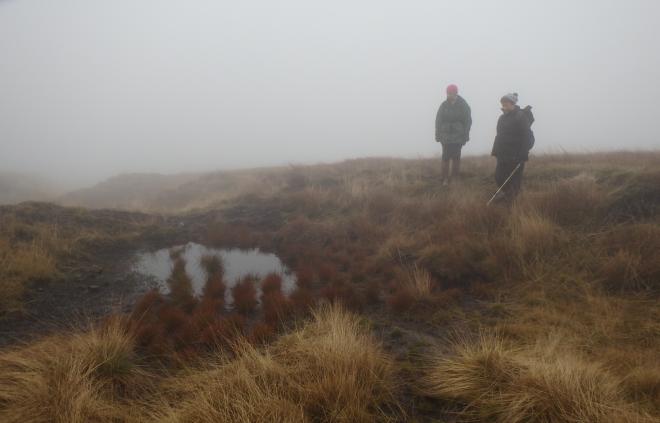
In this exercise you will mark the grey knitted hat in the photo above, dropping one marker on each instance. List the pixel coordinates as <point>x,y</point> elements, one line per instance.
<point>511,97</point>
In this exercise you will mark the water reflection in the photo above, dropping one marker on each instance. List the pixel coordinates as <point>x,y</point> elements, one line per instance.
<point>237,264</point>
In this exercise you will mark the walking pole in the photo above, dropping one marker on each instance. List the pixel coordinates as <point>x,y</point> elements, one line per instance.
<point>500,188</point>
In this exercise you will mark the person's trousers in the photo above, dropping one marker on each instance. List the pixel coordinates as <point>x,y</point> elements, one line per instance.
<point>451,154</point>
<point>503,170</point>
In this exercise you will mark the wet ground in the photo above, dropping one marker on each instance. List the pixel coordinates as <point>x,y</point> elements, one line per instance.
<point>112,280</point>
<point>87,290</point>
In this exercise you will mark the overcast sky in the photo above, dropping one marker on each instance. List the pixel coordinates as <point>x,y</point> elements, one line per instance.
<point>92,88</point>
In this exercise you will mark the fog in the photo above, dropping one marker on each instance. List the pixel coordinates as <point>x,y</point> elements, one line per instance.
<point>93,88</point>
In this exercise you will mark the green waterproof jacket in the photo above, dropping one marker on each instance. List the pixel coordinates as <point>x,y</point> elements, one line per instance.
<point>453,122</point>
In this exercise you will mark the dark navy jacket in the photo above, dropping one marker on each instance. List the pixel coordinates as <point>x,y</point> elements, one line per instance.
<point>514,137</point>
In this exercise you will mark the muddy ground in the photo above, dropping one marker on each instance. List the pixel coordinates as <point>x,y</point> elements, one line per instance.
<point>93,281</point>
<point>87,290</point>
<point>98,281</point>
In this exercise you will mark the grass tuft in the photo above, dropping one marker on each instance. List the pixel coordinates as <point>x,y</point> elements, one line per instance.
<point>498,383</point>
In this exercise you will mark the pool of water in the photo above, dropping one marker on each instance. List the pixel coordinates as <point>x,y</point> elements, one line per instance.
<point>237,263</point>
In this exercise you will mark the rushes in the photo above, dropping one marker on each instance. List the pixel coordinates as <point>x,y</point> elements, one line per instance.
<point>245,295</point>
<point>181,327</point>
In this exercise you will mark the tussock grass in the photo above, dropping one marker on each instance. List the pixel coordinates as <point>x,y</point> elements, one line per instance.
<point>249,388</point>
<point>76,379</point>
<point>499,383</point>
<point>341,371</point>
<point>632,260</point>
<point>413,286</point>
<point>576,255</point>
<point>329,370</point>
<point>419,283</point>
<point>642,382</point>
<point>533,236</point>
<point>578,200</point>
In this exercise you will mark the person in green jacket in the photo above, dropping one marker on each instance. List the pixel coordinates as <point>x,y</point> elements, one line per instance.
<point>452,130</point>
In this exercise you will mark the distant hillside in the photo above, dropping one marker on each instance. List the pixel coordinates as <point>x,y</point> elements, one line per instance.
<point>133,191</point>
<point>170,193</point>
<point>17,187</point>
<point>185,192</point>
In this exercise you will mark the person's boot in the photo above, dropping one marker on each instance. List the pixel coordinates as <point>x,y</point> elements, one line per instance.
<point>444,173</point>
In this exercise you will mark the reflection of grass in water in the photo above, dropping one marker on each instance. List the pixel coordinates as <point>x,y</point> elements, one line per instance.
<point>271,283</point>
<point>212,264</point>
<point>245,294</point>
<point>175,253</point>
<point>231,264</point>
<point>180,284</point>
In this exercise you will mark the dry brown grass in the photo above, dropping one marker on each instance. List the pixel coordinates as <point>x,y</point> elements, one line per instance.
<point>541,383</point>
<point>621,333</point>
<point>534,236</point>
<point>548,258</point>
<point>411,287</point>
<point>329,370</point>
<point>20,265</point>
<point>342,372</point>
<point>79,378</point>
<point>419,283</point>
<point>28,253</point>
<point>577,256</point>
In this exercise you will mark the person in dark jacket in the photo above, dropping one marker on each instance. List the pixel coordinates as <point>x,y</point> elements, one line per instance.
<point>511,147</point>
<point>452,130</point>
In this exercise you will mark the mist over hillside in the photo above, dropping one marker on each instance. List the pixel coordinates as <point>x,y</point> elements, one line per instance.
<point>18,187</point>
<point>292,211</point>
<point>129,191</point>
<point>167,193</point>
<point>92,89</point>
